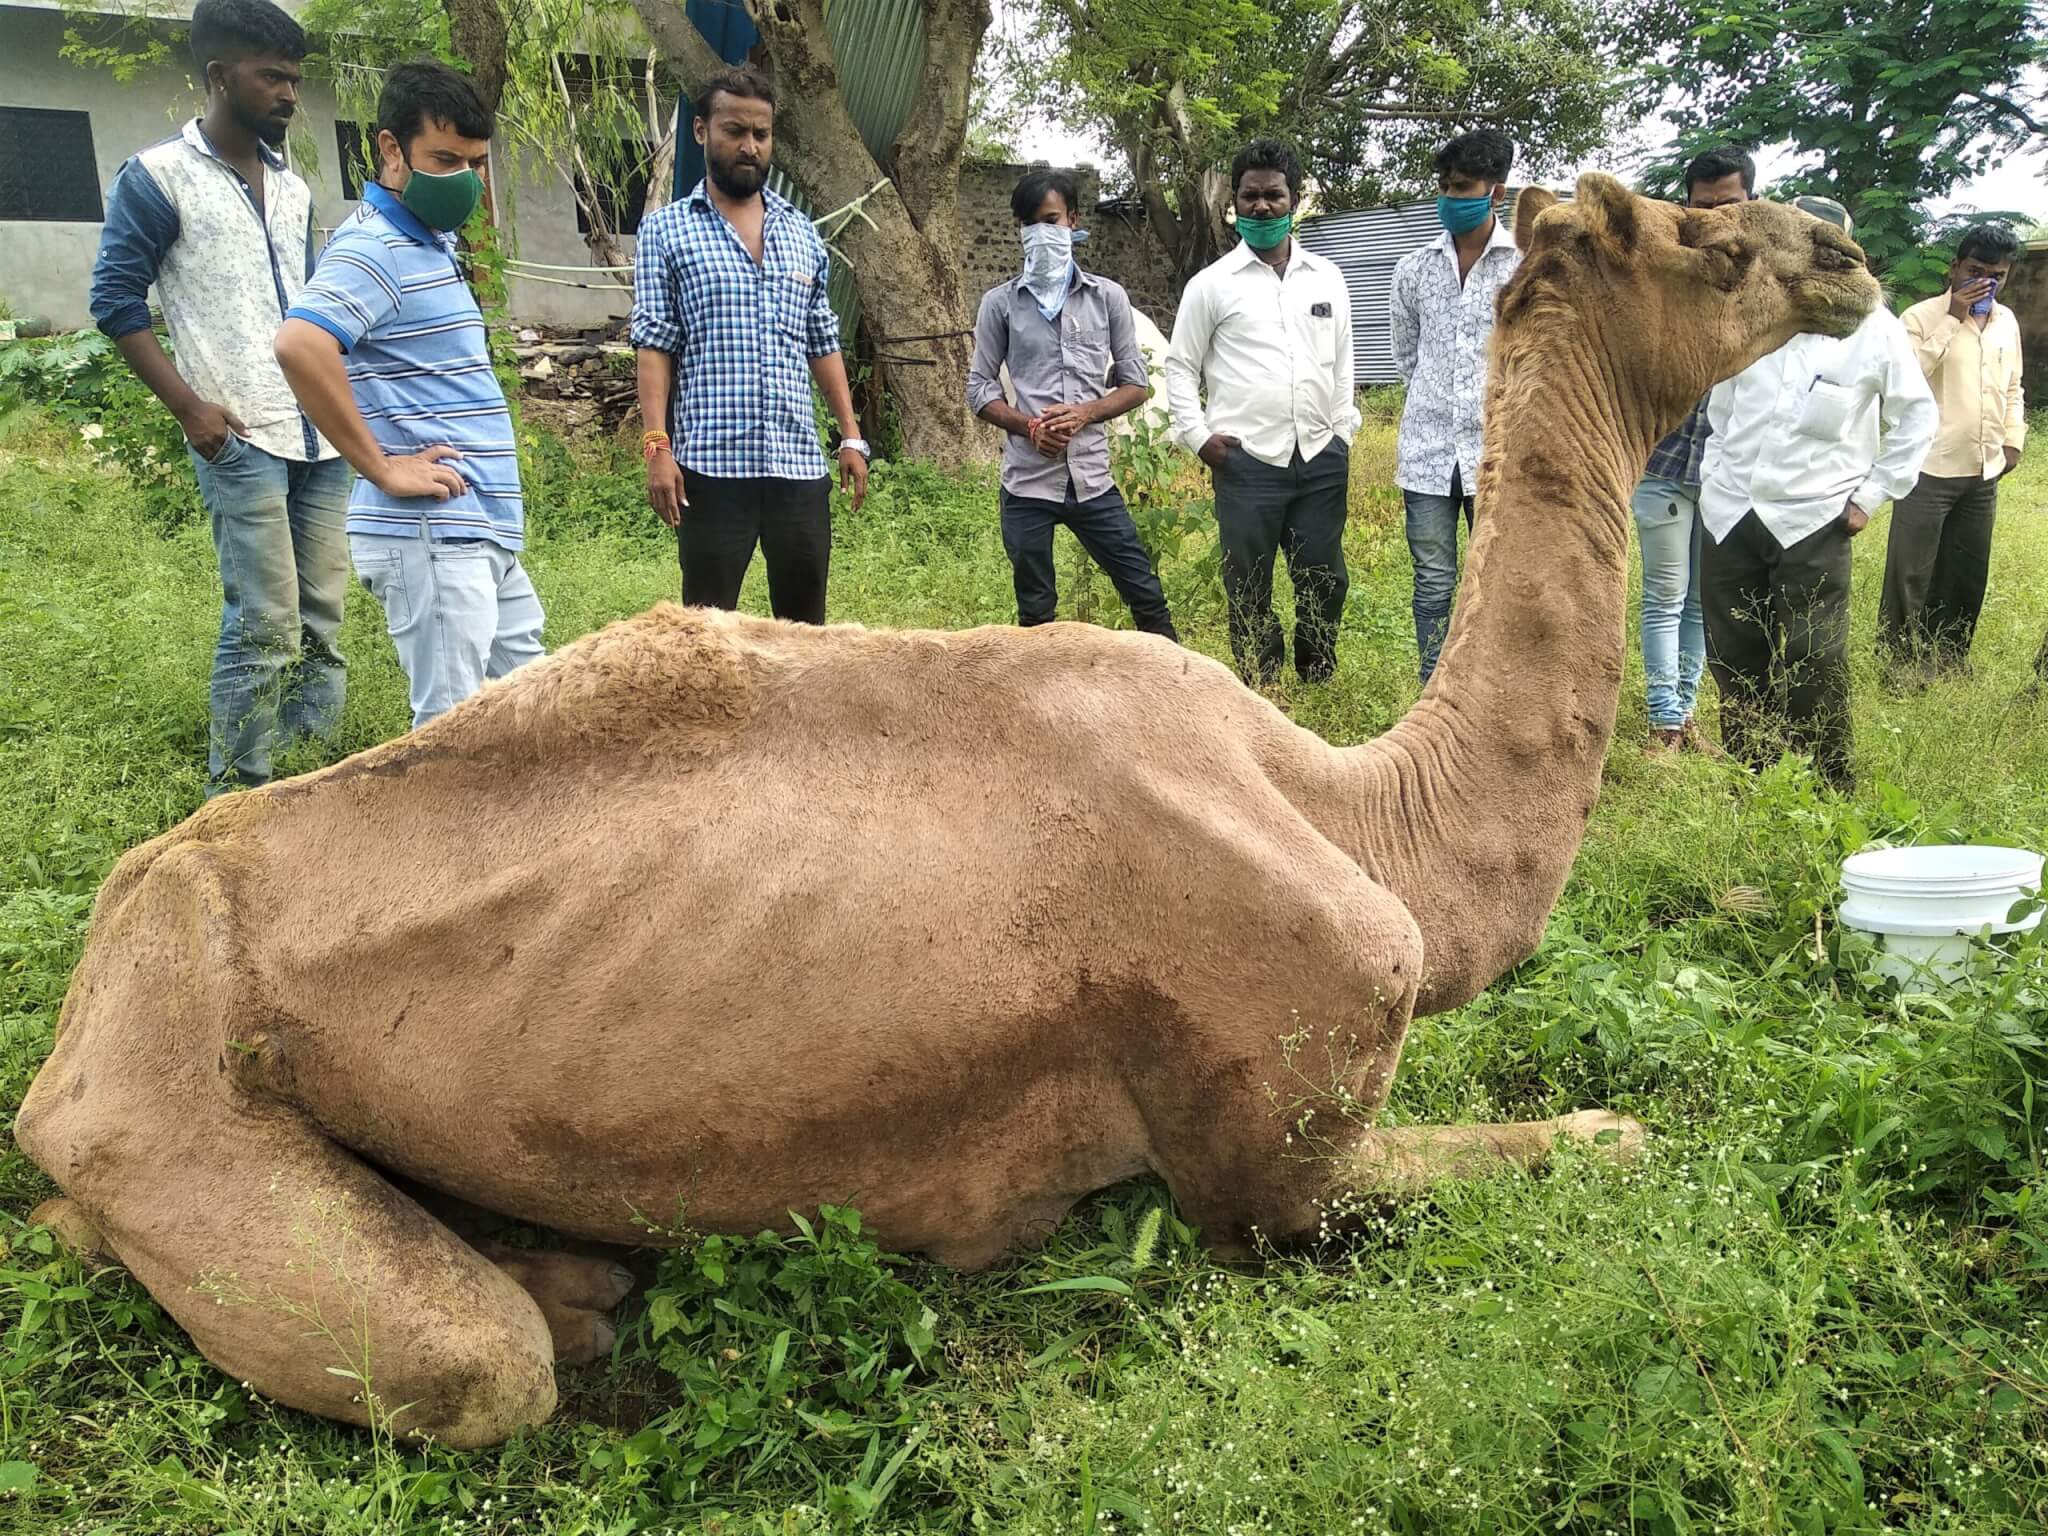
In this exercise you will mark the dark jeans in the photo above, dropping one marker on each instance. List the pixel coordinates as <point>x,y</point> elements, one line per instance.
<point>1104,527</point>
<point>1432,526</point>
<point>1299,510</point>
<point>1935,569</point>
<point>1778,644</point>
<point>790,519</point>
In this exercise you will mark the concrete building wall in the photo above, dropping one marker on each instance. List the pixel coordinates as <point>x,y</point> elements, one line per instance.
<point>2027,294</point>
<point>1120,243</point>
<point>46,268</point>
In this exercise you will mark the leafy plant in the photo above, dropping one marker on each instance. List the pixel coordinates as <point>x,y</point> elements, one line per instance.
<point>808,1347</point>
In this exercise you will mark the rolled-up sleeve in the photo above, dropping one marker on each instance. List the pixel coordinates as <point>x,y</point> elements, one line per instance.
<point>821,324</point>
<point>353,290</point>
<point>656,323</point>
<point>1127,358</point>
<point>141,226</point>
<point>991,351</point>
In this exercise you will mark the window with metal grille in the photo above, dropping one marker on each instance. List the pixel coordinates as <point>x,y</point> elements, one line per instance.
<point>48,171</point>
<point>621,205</point>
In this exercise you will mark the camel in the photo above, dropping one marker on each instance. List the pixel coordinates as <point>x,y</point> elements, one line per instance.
<point>713,919</point>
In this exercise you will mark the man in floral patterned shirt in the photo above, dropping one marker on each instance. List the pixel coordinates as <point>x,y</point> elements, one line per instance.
<point>1442,316</point>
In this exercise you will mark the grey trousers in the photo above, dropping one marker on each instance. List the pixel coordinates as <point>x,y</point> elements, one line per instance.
<point>1937,563</point>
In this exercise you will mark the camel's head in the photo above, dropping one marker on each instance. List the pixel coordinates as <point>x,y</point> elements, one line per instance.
<point>1697,293</point>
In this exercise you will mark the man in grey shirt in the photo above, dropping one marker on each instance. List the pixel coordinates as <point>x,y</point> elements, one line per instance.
<point>1074,364</point>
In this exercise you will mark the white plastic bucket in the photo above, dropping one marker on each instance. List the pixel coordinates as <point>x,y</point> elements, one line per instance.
<point>1923,904</point>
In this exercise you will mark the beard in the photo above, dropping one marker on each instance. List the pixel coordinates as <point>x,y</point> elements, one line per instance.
<point>271,130</point>
<point>734,178</point>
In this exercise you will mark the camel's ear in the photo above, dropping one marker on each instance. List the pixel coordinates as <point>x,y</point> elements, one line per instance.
<point>1715,248</point>
<point>1607,211</point>
<point>1529,202</point>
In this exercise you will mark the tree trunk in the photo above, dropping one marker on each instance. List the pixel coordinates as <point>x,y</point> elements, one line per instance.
<point>906,264</point>
<point>477,29</point>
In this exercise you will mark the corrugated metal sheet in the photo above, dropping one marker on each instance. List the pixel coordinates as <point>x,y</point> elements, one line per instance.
<point>880,48</point>
<point>1366,245</point>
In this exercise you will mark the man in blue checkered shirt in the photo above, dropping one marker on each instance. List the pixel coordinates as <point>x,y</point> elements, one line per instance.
<point>732,325</point>
<point>1667,509</point>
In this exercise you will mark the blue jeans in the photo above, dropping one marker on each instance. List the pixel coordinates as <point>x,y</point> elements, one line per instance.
<point>1674,633</point>
<point>1433,548</point>
<point>277,669</point>
<point>459,611</point>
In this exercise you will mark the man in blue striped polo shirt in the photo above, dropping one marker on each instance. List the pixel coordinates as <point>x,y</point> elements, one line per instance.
<point>435,523</point>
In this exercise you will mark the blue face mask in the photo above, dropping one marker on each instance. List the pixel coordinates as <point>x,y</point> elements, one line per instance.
<point>1461,214</point>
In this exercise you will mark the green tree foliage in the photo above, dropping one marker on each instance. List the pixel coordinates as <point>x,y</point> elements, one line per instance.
<point>1900,100</point>
<point>1366,90</point>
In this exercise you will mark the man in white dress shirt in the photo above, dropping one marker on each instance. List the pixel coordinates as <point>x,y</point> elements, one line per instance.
<point>1264,337</point>
<point>1441,318</point>
<point>1807,443</point>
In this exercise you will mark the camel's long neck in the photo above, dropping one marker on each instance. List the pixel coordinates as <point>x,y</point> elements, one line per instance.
<point>1472,808</point>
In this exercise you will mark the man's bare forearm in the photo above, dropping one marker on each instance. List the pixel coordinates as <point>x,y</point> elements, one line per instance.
<point>151,364</point>
<point>312,365</point>
<point>1000,413</point>
<point>655,377</point>
<point>830,372</point>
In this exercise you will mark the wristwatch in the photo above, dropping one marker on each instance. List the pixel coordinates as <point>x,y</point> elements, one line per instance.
<point>859,445</point>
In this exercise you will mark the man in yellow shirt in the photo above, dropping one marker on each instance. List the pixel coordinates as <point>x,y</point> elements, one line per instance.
<point>1939,554</point>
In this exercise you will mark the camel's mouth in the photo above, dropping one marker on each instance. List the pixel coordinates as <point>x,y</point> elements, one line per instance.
<point>1839,303</point>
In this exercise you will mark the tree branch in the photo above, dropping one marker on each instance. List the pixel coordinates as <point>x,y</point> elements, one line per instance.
<point>679,41</point>
<point>928,147</point>
<point>2011,109</point>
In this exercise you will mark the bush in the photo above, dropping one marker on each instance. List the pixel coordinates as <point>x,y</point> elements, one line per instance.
<point>83,380</point>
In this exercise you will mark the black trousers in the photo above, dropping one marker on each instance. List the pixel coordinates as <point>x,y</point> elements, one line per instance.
<point>1936,565</point>
<point>790,519</point>
<point>1104,527</point>
<point>1778,644</point>
<point>1297,510</point>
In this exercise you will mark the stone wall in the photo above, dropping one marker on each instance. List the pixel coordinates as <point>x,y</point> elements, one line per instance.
<point>2027,294</point>
<point>1120,243</point>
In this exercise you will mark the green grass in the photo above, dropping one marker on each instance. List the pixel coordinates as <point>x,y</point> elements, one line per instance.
<point>1813,1308</point>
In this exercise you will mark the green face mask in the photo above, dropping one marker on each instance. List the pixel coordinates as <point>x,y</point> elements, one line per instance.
<point>443,201</point>
<point>1264,234</point>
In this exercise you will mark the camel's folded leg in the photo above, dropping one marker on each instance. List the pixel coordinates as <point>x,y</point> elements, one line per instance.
<point>301,1271</point>
<point>1408,1159</point>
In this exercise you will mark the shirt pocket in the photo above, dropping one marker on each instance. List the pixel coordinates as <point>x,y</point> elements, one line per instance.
<point>1084,350</point>
<point>1827,410</point>
<point>793,293</point>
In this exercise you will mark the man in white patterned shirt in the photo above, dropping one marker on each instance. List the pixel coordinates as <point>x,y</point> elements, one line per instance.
<point>1442,317</point>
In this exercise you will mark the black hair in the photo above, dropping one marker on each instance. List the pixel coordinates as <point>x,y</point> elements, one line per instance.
<point>228,30</point>
<point>1484,154</point>
<point>1718,165</point>
<point>428,91</point>
<point>1992,244</point>
<point>748,84</point>
<point>1028,196</point>
<point>1267,155</point>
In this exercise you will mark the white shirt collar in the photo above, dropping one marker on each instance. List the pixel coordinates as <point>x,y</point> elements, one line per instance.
<point>1502,237</point>
<point>1245,255</point>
